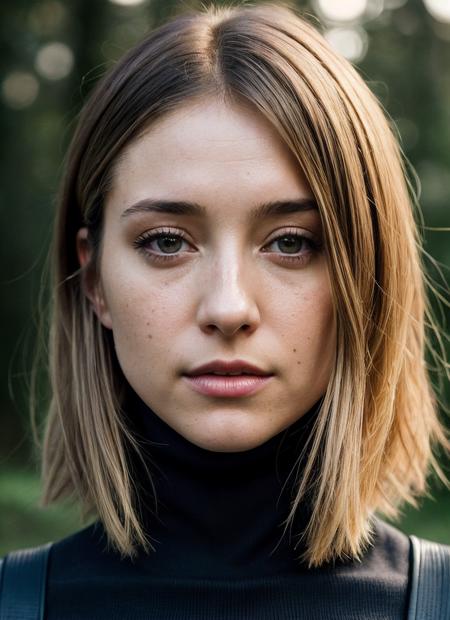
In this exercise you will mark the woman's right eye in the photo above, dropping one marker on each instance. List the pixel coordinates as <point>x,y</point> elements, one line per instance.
<point>165,240</point>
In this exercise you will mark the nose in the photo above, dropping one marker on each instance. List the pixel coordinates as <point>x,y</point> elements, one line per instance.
<point>227,298</point>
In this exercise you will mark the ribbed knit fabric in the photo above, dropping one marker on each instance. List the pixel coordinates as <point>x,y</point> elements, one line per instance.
<point>220,553</point>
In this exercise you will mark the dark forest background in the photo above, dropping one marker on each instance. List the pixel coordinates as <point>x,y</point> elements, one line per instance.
<point>52,52</point>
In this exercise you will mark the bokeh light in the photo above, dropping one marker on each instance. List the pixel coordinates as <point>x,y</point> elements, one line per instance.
<point>19,89</point>
<point>127,2</point>
<point>349,10</point>
<point>352,43</point>
<point>435,181</point>
<point>406,22</point>
<point>54,61</point>
<point>409,132</point>
<point>374,9</point>
<point>439,9</point>
<point>47,18</point>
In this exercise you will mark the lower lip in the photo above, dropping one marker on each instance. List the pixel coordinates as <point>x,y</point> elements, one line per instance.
<point>215,385</point>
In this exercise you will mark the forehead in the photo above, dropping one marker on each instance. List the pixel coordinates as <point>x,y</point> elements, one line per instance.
<point>234,132</point>
<point>209,152</point>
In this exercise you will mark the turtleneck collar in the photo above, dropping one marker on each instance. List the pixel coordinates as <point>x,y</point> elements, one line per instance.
<point>219,514</point>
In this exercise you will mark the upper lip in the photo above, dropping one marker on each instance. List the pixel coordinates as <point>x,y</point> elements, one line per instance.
<point>227,366</point>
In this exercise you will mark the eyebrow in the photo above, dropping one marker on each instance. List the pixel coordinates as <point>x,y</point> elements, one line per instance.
<point>193,209</point>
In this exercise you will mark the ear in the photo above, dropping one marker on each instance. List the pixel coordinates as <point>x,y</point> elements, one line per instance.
<point>90,281</point>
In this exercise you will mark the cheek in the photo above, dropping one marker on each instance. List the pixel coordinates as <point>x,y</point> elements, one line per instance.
<point>144,318</point>
<point>310,330</point>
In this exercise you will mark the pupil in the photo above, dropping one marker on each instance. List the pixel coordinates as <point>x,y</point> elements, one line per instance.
<point>291,242</point>
<point>167,246</point>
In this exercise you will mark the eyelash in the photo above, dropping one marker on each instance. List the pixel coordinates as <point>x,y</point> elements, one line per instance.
<point>141,242</point>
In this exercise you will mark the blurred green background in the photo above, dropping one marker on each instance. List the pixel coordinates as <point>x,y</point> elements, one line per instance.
<point>52,53</point>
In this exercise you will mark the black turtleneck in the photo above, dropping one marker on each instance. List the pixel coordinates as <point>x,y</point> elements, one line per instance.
<point>219,546</point>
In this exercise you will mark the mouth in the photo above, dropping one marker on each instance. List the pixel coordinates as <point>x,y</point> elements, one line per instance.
<point>227,385</point>
<point>228,368</point>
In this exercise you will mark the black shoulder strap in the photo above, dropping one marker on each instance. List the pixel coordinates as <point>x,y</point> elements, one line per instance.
<point>22,583</point>
<point>430,580</point>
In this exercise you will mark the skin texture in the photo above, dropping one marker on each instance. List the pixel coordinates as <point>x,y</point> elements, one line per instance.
<point>227,294</point>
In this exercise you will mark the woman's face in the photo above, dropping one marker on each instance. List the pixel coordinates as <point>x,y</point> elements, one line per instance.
<point>218,284</point>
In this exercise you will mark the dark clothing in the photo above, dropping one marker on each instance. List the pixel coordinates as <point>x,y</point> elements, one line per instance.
<point>220,549</point>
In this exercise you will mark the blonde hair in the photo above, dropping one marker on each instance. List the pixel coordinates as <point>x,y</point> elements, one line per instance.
<point>378,420</point>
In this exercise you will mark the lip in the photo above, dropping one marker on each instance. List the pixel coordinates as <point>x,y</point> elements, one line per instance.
<point>228,366</point>
<point>226,386</point>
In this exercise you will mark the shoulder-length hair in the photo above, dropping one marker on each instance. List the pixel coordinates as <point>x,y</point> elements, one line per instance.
<point>378,420</point>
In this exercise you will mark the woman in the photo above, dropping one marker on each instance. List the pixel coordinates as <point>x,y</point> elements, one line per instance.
<point>234,202</point>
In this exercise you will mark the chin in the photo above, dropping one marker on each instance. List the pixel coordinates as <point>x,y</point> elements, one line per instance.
<point>217,442</point>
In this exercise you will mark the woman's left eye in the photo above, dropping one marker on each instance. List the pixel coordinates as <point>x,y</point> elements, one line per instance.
<point>295,247</point>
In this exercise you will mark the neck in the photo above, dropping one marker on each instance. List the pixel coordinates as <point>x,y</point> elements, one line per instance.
<point>220,513</point>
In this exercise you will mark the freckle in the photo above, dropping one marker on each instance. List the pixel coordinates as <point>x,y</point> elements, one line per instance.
<point>298,362</point>
<point>294,350</point>
<point>149,336</point>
